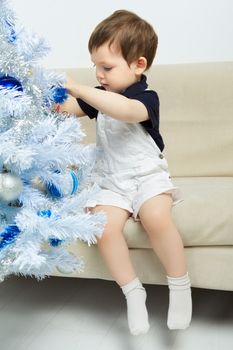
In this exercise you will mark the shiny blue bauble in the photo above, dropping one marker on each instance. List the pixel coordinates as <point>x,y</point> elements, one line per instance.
<point>7,82</point>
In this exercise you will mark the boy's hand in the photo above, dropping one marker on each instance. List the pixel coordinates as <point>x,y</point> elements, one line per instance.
<point>56,107</point>
<point>72,87</point>
<point>70,106</point>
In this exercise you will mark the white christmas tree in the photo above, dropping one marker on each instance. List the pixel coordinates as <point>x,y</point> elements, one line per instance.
<point>44,168</point>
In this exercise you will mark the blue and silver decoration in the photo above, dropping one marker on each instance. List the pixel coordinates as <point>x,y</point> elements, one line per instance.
<point>66,184</point>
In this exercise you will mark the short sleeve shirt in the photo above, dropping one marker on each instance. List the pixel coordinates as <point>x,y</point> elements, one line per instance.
<point>137,91</point>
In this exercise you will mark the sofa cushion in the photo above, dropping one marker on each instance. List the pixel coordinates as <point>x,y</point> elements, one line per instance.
<point>204,218</point>
<point>196,113</point>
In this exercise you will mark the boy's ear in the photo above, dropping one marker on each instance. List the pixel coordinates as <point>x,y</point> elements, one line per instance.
<point>141,65</point>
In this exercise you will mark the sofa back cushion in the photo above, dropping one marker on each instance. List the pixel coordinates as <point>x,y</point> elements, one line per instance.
<point>196,115</point>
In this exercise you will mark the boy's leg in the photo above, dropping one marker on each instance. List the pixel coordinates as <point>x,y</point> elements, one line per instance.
<point>155,215</point>
<point>112,245</point>
<point>115,252</point>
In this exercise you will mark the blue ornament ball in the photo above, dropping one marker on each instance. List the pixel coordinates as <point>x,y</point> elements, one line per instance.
<point>68,185</point>
<point>9,83</point>
<point>59,94</point>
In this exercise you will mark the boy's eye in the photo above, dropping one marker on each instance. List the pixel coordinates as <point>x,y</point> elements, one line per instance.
<point>107,69</point>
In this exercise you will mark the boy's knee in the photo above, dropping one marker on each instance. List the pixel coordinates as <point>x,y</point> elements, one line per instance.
<point>156,221</point>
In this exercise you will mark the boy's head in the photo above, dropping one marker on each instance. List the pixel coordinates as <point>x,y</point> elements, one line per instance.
<point>132,36</point>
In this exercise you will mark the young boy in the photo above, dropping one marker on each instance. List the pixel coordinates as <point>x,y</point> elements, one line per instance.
<point>131,171</point>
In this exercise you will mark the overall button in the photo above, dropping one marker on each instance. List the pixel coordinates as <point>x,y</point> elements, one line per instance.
<point>161,156</point>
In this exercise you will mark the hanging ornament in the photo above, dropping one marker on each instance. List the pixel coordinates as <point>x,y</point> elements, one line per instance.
<point>9,235</point>
<point>59,94</point>
<point>10,187</point>
<point>9,83</point>
<point>67,184</point>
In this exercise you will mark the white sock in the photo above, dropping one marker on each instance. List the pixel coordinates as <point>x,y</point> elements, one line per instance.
<point>136,307</point>
<point>180,302</point>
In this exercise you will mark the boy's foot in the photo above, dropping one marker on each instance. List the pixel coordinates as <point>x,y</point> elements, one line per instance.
<point>136,307</point>
<point>180,302</point>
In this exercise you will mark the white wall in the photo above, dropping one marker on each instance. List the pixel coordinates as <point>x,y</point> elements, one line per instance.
<point>188,30</point>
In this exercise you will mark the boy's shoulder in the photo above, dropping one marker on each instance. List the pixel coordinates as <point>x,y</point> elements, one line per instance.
<point>141,92</point>
<point>140,88</point>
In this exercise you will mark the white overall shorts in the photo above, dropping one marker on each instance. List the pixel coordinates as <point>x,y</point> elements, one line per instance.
<point>130,168</point>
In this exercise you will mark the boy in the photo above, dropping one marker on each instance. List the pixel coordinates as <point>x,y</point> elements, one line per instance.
<point>131,171</point>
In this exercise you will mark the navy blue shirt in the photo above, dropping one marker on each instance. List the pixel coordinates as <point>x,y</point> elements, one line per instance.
<point>149,98</point>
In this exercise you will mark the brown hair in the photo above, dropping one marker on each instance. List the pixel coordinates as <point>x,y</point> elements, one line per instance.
<point>132,35</point>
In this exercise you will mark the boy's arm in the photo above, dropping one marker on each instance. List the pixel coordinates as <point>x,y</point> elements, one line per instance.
<point>110,103</point>
<point>70,106</point>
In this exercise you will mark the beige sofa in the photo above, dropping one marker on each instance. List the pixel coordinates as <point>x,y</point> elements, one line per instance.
<point>197,126</point>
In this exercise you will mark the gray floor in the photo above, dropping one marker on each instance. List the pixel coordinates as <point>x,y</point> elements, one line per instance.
<point>79,314</point>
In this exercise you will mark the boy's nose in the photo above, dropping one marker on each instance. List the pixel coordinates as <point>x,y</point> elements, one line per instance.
<point>99,74</point>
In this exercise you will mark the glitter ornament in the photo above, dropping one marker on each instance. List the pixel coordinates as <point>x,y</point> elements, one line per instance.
<point>59,94</point>
<point>10,187</point>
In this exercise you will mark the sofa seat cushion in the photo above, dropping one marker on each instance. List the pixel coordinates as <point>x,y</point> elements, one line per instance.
<point>204,218</point>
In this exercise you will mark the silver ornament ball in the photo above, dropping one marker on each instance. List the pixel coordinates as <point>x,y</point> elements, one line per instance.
<point>11,187</point>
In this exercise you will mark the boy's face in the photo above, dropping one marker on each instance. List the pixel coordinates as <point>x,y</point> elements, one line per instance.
<point>112,70</point>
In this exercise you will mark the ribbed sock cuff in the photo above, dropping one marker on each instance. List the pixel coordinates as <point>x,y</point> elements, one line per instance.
<point>127,288</point>
<point>176,283</point>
